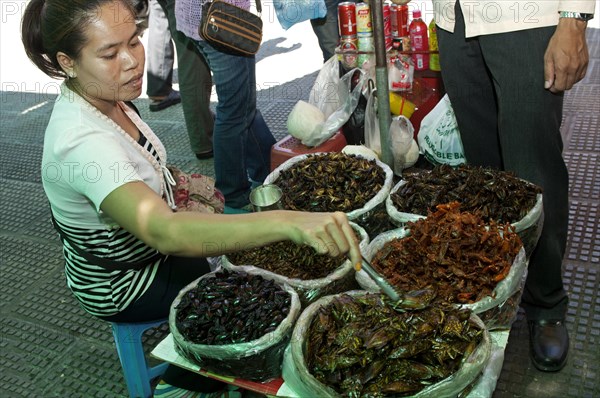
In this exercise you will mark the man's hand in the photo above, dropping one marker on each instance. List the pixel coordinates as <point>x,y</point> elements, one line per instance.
<point>566,58</point>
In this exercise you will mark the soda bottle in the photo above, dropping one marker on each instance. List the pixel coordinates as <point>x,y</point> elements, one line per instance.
<point>434,58</point>
<point>418,41</point>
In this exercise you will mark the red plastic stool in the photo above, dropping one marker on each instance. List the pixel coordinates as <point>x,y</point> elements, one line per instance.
<point>289,147</point>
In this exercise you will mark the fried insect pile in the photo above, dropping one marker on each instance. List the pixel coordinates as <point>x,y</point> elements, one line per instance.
<point>361,346</point>
<point>453,253</point>
<point>289,259</point>
<point>497,195</point>
<point>231,308</point>
<point>330,182</point>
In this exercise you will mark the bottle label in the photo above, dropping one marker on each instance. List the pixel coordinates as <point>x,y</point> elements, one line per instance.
<point>417,42</point>
<point>420,62</point>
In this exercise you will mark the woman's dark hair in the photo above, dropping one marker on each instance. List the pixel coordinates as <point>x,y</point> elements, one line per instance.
<point>50,26</point>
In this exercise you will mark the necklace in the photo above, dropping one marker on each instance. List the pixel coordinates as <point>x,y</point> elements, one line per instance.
<point>160,165</point>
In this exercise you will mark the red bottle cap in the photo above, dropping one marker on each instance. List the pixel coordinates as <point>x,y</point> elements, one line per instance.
<point>417,14</point>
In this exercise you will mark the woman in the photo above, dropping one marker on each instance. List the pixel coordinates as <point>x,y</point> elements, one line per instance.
<point>127,254</point>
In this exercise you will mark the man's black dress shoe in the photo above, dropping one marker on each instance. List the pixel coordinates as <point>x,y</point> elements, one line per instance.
<point>548,344</point>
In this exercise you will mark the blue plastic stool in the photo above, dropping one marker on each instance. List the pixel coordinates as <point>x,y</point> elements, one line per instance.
<point>128,338</point>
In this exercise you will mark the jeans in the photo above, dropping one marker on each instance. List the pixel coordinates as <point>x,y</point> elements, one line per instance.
<point>161,54</point>
<point>241,139</point>
<point>507,120</point>
<point>326,29</point>
<point>195,85</point>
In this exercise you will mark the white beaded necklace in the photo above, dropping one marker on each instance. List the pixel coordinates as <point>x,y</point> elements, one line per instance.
<point>167,182</point>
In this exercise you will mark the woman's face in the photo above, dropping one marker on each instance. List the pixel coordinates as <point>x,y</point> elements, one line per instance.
<point>110,66</point>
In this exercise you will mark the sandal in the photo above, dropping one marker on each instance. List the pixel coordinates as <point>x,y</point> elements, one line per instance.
<point>172,99</point>
<point>204,155</point>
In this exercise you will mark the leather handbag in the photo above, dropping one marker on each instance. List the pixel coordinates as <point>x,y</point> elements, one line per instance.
<point>231,29</point>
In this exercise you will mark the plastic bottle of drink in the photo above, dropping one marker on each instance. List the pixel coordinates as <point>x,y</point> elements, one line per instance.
<point>418,41</point>
<point>434,58</point>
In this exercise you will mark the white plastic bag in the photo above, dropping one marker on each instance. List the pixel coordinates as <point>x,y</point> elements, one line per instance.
<point>372,137</point>
<point>400,73</point>
<point>291,12</point>
<point>403,144</point>
<point>404,148</point>
<point>340,280</point>
<point>355,215</point>
<point>234,360</point>
<point>305,121</point>
<point>323,93</point>
<point>299,378</point>
<point>509,286</point>
<point>439,137</point>
<point>332,95</point>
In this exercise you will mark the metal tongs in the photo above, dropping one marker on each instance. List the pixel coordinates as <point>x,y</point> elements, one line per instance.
<point>383,284</point>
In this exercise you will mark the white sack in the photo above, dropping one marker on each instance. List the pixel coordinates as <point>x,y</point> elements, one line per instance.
<point>305,121</point>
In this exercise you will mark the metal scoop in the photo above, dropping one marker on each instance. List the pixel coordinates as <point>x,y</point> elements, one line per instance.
<point>383,284</point>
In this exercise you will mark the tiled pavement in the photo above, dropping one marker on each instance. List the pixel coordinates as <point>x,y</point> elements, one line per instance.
<point>49,347</point>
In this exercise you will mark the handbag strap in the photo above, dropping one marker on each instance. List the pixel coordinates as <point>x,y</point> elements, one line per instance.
<point>258,6</point>
<point>106,263</point>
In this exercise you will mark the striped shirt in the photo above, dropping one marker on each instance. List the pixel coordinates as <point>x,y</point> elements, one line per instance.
<point>102,292</point>
<point>86,157</point>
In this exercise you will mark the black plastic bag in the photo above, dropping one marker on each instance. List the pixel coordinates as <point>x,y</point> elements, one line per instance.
<point>354,128</point>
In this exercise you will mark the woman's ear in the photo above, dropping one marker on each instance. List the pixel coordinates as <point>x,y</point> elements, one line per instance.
<point>66,63</point>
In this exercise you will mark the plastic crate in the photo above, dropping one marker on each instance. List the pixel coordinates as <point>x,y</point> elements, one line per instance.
<point>289,147</point>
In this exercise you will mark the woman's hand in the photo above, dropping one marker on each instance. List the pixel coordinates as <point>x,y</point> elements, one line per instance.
<point>566,58</point>
<point>327,233</point>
